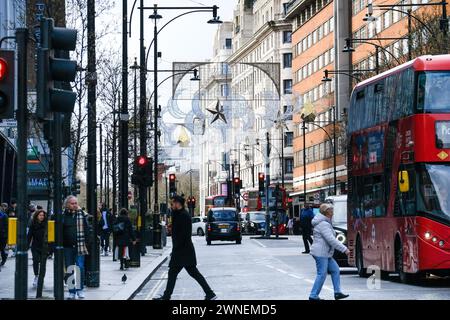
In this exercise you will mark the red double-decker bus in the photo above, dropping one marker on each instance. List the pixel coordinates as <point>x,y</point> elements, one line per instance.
<point>399,170</point>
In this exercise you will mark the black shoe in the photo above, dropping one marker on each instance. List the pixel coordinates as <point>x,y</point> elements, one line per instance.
<point>315,299</point>
<point>211,296</point>
<point>163,297</point>
<point>305,252</point>
<point>340,295</point>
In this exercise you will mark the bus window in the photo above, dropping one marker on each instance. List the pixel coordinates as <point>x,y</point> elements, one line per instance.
<point>373,198</point>
<point>432,92</point>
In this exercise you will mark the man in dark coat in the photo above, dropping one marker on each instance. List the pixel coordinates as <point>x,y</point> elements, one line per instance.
<point>183,252</point>
<point>105,225</point>
<point>306,217</point>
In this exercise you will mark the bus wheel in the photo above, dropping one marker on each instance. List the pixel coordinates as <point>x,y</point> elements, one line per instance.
<point>362,272</point>
<point>399,264</point>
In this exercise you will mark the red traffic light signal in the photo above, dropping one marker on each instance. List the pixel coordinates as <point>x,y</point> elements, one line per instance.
<point>261,176</point>
<point>142,161</point>
<point>3,69</point>
<point>172,177</point>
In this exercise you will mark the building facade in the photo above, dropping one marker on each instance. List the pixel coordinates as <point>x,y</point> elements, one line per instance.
<point>320,28</point>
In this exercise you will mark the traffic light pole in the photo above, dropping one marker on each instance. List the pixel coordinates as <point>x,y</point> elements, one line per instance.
<point>267,184</point>
<point>142,123</point>
<point>93,272</point>
<point>123,119</point>
<point>21,273</point>
<point>58,267</point>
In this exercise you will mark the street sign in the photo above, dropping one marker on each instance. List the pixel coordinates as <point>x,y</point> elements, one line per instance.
<point>245,196</point>
<point>8,123</point>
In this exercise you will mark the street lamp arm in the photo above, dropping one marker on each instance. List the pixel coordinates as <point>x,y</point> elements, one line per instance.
<point>414,17</point>
<point>347,74</point>
<point>131,16</point>
<point>165,25</point>
<point>380,47</point>
<point>167,78</point>
<point>326,132</point>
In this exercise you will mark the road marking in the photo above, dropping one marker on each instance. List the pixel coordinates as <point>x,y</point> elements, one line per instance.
<point>157,287</point>
<point>295,276</point>
<point>282,271</point>
<point>312,282</point>
<point>269,266</point>
<point>262,245</point>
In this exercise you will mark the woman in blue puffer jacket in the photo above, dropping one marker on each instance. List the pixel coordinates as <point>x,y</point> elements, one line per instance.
<point>322,250</point>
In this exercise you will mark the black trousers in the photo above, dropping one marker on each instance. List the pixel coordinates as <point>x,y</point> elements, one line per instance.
<point>37,255</point>
<point>4,254</point>
<point>104,239</point>
<point>307,239</point>
<point>193,272</point>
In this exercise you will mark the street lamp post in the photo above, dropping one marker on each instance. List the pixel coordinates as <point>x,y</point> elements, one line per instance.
<point>135,67</point>
<point>155,16</point>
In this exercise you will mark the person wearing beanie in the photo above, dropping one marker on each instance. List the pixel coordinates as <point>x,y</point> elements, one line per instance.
<point>183,252</point>
<point>322,250</point>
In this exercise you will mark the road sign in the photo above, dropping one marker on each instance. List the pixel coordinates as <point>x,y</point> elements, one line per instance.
<point>245,196</point>
<point>8,123</point>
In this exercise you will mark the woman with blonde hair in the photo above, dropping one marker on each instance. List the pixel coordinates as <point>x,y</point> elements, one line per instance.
<point>322,250</point>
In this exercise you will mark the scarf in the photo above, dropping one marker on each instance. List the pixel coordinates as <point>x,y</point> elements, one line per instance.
<point>81,238</point>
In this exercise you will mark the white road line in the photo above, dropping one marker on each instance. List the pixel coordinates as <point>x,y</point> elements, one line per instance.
<point>325,287</point>
<point>158,286</point>
<point>269,266</point>
<point>282,271</point>
<point>264,246</point>
<point>295,276</point>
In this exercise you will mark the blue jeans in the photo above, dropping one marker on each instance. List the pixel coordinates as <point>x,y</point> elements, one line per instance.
<point>323,266</point>
<point>71,258</point>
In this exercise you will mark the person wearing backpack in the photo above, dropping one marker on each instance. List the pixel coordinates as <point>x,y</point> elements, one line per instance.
<point>123,230</point>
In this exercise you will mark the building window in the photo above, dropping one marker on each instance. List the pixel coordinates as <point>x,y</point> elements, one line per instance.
<point>288,111</point>
<point>287,60</point>
<point>287,86</point>
<point>228,43</point>
<point>224,90</point>
<point>287,36</point>
<point>289,165</point>
<point>288,139</point>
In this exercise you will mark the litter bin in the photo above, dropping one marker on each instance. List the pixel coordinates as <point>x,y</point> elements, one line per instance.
<point>135,255</point>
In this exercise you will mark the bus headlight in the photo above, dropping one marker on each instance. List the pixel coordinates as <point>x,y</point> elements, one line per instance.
<point>341,237</point>
<point>427,235</point>
<point>434,239</point>
<point>441,243</point>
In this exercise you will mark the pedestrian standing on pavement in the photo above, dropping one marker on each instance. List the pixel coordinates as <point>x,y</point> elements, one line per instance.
<point>125,237</point>
<point>306,217</point>
<point>183,252</point>
<point>290,226</point>
<point>105,224</point>
<point>35,238</point>
<point>75,241</point>
<point>12,209</point>
<point>3,237</point>
<point>322,250</point>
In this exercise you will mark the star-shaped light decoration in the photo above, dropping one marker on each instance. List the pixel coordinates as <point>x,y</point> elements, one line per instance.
<point>218,113</point>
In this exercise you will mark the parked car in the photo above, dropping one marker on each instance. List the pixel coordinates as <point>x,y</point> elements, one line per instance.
<point>199,226</point>
<point>255,222</point>
<point>223,224</point>
<point>340,226</point>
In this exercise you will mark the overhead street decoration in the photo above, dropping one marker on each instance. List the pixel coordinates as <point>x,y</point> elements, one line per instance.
<point>218,113</point>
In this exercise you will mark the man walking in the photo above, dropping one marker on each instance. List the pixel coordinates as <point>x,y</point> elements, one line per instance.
<point>306,217</point>
<point>75,238</point>
<point>183,252</point>
<point>106,222</point>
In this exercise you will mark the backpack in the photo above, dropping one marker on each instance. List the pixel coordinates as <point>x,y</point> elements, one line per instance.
<point>119,228</point>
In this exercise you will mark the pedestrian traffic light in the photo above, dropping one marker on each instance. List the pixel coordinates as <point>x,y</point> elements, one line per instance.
<point>51,69</point>
<point>76,185</point>
<point>237,184</point>
<point>172,185</point>
<point>7,84</point>
<point>143,172</point>
<point>261,183</point>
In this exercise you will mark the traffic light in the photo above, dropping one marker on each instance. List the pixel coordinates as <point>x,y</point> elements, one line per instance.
<point>237,184</point>
<point>172,185</point>
<point>7,84</point>
<point>143,172</point>
<point>261,183</point>
<point>191,202</point>
<point>76,187</point>
<point>51,69</point>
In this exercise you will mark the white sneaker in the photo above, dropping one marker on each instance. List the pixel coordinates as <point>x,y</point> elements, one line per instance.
<point>80,294</point>
<point>71,296</point>
<point>35,281</point>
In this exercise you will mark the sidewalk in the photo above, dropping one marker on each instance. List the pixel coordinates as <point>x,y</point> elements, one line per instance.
<point>111,286</point>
